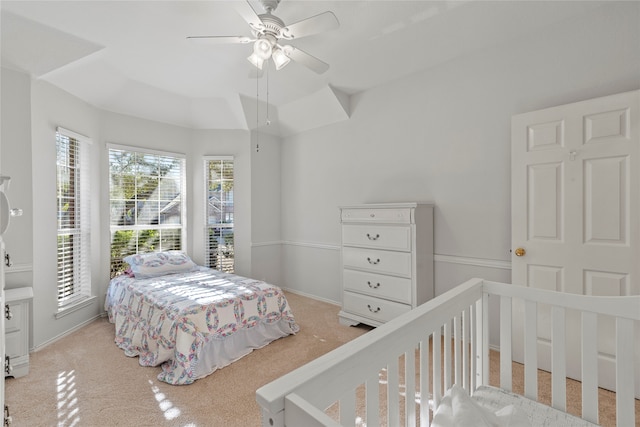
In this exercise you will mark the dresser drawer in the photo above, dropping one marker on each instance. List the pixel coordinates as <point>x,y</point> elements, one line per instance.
<point>373,308</point>
<point>396,215</point>
<point>378,285</point>
<point>377,236</point>
<point>387,262</point>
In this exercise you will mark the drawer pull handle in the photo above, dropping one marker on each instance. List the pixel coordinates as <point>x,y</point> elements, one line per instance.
<point>7,312</point>
<point>377,261</point>
<point>7,416</point>
<point>7,365</point>
<point>370,237</point>
<point>377,309</point>
<point>376,286</point>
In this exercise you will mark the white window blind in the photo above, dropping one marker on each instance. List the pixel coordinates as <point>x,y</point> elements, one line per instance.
<point>219,231</point>
<point>73,204</point>
<point>146,193</point>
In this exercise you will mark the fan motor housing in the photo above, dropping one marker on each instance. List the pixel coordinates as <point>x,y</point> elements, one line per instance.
<point>272,24</point>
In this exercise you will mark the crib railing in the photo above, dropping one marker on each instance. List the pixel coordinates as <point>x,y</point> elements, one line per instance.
<point>397,373</point>
<point>624,310</point>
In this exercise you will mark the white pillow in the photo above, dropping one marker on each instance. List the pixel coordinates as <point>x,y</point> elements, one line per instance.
<point>156,264</point>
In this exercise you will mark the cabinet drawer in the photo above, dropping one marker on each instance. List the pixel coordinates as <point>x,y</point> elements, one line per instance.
<point>377,236</point>
<point>378,285</point>
<point>373,308</point>
<point>387,262</point>
<point>396,215</point>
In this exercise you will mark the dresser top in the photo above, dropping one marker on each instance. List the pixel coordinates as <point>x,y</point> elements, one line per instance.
<point>386,205</point>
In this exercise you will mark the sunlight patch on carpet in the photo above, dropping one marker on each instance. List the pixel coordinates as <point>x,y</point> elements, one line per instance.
<point>170,411</point>
<point>68,411</point>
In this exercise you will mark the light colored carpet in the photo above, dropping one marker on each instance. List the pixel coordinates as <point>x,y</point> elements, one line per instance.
<point>84,379</point>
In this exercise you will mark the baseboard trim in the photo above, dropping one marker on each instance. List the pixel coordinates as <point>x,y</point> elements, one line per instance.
<point>314,297</point>
<point>66,333</point>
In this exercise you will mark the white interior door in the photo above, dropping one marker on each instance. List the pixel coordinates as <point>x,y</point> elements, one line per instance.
<point>575,213</point>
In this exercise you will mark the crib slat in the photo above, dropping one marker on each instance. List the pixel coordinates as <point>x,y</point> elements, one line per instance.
<point>410,387</point>
<point>483,331</point>
<point>530,350</point>
<point>424,382</point>
<point>373,400</point>
<point>457,350</point>
<point>506,380</point>
<point>437,369</point>
<point>348,409</point>
<point>393,395</point>
<point>590,367</point>
<point>473,343</point>
<point>558,359</point>
<point>447,356</point>
<point>624,371</point>
<point>465,350</point>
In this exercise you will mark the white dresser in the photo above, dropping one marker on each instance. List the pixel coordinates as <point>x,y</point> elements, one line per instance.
<point>387,260</point>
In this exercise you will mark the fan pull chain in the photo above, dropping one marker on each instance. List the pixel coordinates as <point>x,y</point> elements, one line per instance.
<point>268,122</point>
<point>257,114</point>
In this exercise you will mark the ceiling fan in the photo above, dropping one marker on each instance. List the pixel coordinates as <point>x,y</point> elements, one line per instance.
<point>268,31</point>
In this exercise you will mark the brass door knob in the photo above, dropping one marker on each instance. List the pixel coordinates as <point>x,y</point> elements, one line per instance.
<point>520,252</point>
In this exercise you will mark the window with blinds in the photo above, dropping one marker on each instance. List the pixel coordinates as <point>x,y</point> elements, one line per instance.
<point>146,196</point>
<point>73,217</point>
<point>219,240</point>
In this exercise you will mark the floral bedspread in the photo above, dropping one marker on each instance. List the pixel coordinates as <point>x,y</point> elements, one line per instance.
<point>169,320</point>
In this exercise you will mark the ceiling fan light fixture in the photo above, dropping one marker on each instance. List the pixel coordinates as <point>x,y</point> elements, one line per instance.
<point>280,58</point>
<point>262,48</point>
<point>256,60</point>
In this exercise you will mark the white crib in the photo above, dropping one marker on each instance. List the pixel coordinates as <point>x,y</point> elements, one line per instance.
<point>350,376</point>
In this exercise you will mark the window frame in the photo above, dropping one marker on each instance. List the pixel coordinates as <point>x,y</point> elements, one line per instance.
<point>207,226</point>
<point>81,294</point>
<point>142,227</point>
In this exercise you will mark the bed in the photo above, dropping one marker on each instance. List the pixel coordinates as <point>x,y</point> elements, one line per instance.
<point>189,319</point>
<point>365,381</point>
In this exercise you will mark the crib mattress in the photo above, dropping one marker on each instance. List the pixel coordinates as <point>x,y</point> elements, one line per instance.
<point>539,414</point>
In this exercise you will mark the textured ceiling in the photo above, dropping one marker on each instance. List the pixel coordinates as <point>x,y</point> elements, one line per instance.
<point>132,57</point>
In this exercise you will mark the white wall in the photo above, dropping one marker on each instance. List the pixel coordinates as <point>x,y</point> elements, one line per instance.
<point>443,135</point>
<point>50,108</point>
<point>266,253</point>
<point>16,163</point>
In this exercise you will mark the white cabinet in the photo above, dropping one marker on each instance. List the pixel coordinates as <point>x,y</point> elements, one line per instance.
<point>16,330</point>
<point>387,260</point>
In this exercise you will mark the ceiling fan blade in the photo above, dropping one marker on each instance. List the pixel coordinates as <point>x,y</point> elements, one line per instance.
<point>307,60</point>
<point>316,24</point>
<point>247,12</point>
<point>220,39</point>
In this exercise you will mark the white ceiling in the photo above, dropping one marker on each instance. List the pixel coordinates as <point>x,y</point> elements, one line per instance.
<point>132,57</point>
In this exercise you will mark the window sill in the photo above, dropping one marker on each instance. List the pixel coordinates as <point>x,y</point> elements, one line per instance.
<point>75,306</point>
